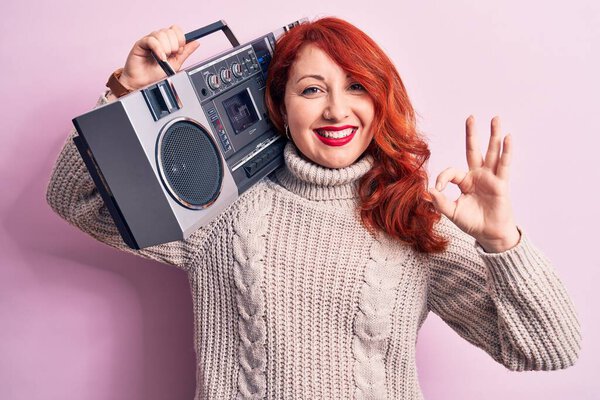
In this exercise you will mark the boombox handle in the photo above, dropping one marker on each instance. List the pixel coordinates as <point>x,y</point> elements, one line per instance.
<point>197,34</point>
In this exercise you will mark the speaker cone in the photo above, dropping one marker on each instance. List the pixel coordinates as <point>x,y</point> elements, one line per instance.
<point>189,163</point>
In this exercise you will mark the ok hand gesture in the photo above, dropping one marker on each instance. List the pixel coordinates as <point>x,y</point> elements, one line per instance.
<point>483,210</point>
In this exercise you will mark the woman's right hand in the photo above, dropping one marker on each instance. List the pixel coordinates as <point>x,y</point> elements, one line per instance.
<point>141,69</point>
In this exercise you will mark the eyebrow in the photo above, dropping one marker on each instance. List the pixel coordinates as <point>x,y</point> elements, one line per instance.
<point>319,77</point>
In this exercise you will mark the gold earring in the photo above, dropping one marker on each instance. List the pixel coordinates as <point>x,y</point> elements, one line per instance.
<point>287,131</point>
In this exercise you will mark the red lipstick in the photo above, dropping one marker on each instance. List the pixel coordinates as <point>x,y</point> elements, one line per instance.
<point>335,141</point>
<point>335,128</point>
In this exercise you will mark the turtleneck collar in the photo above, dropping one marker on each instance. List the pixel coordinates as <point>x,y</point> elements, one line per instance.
<point>315,182</point>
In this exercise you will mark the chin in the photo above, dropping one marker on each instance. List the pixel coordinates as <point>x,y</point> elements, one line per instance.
<point>330,157</point>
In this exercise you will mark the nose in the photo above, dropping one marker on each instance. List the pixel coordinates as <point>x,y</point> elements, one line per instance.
<point>336,108</point>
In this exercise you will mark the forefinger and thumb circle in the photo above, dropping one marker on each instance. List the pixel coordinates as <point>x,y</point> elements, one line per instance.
<point>441,202</point>
<point>450,174</point>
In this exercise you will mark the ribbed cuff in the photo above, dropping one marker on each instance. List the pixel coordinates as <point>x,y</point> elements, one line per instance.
<point>517,265</point>
<point>528,290</point>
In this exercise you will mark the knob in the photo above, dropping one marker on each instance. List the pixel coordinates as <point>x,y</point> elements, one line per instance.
<point>236,68</point>
<point>214,82</point>
<point>226,75</point>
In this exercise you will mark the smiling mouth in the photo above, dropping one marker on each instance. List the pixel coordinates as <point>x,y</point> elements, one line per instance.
<point>340,134</point>
<point>336,137</point>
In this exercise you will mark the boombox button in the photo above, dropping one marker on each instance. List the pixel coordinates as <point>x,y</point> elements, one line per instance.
<point>251,169</point>
<point>161,99</point>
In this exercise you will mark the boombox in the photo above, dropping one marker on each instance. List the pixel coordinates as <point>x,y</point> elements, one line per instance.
<point>170,157</point>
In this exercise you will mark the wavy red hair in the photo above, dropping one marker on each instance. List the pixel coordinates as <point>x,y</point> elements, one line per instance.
<point>393,194</point>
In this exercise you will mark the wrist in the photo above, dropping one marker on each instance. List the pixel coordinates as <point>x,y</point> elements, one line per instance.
<point>118,84</point>
<point>125,81</point>
<point>511,239</point>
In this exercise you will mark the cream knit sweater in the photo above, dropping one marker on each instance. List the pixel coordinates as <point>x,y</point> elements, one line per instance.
<point>294,299</point>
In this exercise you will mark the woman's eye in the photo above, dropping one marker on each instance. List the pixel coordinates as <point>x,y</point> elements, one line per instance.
<point>357,86</point>
<point>310,90</point>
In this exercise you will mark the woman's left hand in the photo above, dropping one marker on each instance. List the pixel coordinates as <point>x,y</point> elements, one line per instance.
<point>483,210</point>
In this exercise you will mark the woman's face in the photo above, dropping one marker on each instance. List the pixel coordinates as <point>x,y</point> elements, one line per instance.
<point>329,114</point>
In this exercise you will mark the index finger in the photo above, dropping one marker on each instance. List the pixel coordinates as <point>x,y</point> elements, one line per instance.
<point>151,44</point>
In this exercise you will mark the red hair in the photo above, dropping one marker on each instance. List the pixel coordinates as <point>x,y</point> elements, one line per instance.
<point>393,194</point>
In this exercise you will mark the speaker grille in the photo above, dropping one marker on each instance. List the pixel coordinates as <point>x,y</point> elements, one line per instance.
<point>190,164</point>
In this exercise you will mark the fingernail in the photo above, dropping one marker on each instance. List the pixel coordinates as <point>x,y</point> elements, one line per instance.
<point>438,187</point>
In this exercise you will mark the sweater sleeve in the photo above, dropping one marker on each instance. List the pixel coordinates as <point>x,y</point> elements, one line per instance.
<point>71,193</point>
<point>510,304</point>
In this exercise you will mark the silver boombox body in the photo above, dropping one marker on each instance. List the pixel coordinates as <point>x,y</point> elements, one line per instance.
<point>169,158</point>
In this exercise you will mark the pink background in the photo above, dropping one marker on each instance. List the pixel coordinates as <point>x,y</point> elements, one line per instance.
<point>79,320</point>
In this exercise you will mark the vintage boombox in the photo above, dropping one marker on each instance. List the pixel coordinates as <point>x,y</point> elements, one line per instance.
<point>169,158</point>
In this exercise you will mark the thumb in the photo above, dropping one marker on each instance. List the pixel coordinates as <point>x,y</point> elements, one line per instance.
<point>441,203</point>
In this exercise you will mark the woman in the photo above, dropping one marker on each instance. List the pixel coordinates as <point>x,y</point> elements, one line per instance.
<point>315,282</point>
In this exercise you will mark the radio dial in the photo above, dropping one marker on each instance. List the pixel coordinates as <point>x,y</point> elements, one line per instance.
<point>237,70</point>
<point>214,82</point>
<point>226,75</point>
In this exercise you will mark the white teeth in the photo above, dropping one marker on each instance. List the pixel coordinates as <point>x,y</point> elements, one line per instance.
<point>335,134</point>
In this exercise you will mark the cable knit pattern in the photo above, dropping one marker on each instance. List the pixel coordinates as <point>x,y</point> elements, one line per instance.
<point>373,322</point>
<point>249,253</point>
<point>294,299</point>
